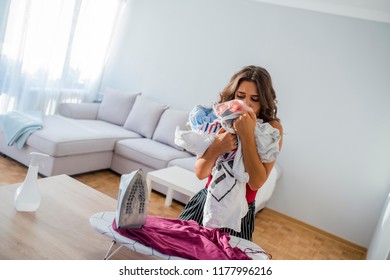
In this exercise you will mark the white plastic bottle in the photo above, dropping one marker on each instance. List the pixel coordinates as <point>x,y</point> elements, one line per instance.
<point>27,196</point>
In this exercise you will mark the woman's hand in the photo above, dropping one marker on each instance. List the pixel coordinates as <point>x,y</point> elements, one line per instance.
<point>224,142</point>
<point>245,124</point>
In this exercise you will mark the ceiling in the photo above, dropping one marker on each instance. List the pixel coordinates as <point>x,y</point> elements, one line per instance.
<point>375,10</point>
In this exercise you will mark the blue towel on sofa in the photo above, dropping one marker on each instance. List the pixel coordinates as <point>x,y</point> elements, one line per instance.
<point>18,126</point>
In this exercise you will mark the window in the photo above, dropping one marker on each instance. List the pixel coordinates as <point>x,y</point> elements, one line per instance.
<point>54,51</point>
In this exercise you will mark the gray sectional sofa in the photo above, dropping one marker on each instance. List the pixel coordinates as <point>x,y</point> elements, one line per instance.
<point>124,132</point>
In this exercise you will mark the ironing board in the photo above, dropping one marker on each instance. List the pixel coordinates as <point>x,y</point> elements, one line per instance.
<point>102,223</point>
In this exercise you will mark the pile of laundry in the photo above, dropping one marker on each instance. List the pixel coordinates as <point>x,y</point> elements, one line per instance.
<point>226,203</point>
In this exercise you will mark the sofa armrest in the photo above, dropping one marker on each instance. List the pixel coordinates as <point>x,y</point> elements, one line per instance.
<point>79,110</point>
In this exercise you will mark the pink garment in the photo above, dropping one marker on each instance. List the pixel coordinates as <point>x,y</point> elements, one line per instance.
<point>233,106</point>
<point>184,239</point>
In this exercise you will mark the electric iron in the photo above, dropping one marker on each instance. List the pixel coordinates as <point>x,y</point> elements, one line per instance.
<point>133,200</point>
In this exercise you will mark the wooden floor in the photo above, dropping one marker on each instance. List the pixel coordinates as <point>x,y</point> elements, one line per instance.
<point>281,236</point>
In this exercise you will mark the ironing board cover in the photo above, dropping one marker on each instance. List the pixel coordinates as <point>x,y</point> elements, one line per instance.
<point>185,239</point>
<point>102,222</point>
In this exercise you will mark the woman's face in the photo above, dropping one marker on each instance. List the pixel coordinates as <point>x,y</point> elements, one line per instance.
<point>247,92</point>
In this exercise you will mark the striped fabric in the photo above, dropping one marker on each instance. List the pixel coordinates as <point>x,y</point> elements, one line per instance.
<point>194,211</point>
<point>210,128</point>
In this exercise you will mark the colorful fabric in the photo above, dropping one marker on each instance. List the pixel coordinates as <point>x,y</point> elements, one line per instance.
<point>202,121</point>
<point>228,111</point>
<point>186,239</point>
<point>200,115</point>
<point>210,128</point>
<point>226,202</point>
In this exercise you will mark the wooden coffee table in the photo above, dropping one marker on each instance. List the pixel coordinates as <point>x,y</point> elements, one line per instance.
<point>59,229</point>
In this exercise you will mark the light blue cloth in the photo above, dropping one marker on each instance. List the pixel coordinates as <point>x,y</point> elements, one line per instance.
<point>18,126</point>
<point>200,115</point>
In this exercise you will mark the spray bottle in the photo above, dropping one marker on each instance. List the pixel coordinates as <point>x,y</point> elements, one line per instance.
<point>27,196</point>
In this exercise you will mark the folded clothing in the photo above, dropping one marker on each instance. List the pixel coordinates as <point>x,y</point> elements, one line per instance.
<point>17,126</point>
<point>186,239</point>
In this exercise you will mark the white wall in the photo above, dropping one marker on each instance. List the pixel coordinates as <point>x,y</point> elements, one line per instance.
<point>331,75</point>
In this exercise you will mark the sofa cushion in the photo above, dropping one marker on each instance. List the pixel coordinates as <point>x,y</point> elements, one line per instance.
<point>79,110</point>
<point>149,152</point>
<point>115,106</point>
<point>144,116</point>
<point>165,130</point>
<point>61,136</point>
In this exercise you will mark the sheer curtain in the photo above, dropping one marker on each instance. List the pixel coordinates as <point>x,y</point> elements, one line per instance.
<point>53,51</point>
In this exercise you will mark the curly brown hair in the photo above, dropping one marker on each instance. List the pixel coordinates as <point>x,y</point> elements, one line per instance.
<point>262,79</point>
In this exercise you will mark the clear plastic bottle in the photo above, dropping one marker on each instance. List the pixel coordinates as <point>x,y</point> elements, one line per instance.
<point>27,196</point>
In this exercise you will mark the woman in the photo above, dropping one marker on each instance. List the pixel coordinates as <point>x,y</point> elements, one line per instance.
<point>253,85</point>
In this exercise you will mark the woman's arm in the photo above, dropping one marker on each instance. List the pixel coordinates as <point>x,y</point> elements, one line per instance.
<point>257,170</point>
<point>224,142</point>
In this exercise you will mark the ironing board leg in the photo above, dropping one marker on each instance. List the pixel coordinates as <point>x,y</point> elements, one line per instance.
<point>108,254</point>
